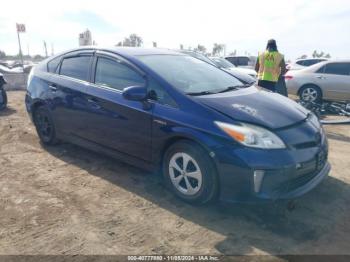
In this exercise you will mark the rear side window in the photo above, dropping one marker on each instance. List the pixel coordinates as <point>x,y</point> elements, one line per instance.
<point>76,67</point>
<point>116,75</point>
<point>300,62</point>
<point>53,64</point>
<point>337,68</point>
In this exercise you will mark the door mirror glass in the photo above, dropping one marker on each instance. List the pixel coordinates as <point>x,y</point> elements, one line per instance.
<point>135,93</point>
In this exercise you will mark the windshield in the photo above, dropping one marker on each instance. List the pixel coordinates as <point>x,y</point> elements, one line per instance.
<point>199,56</point>
<point>189,74</point>
<point>222,62</point>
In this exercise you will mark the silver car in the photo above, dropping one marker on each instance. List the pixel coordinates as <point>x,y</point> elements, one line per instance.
<point>328,80</point>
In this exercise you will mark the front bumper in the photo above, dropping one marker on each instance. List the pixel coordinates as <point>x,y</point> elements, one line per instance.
<point>287,173</point>
<point>290,193</point>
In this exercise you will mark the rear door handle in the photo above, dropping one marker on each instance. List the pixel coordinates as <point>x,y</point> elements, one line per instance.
<point>93,102</point>
<point>53,87</point>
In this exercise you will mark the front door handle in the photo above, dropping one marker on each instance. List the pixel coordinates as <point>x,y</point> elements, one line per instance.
<point>320,77</point>
<point>53,87</point>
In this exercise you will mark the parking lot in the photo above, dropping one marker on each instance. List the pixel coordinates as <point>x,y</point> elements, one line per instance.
<point>67,200</point>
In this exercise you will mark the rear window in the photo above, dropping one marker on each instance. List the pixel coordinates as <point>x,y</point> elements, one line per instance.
<point>312,62</point>
<point>76,67</point>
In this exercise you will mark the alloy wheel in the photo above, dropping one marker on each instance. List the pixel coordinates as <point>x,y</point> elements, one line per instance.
<point>309,94</point>
<point>185,173</point>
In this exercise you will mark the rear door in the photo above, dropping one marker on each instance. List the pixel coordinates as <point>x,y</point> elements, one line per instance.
<point>112,120</point>
<point>334,79</point>
<point>67,88</point>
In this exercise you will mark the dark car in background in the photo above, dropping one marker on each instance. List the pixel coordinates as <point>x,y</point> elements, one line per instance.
<point>3,95</point>
<point>242,61</point>
<point>163,110</point>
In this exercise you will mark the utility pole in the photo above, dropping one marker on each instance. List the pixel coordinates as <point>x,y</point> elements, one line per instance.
<point>52,51</point>
<point>20,28</point>
<point>45,48</point>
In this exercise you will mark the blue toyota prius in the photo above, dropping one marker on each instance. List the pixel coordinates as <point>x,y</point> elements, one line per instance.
<point>210,135</point>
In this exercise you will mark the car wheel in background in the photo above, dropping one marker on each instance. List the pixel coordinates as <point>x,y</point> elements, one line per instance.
<point>310,93</point>
<point>45,126</point>
<point>3,99</point>
<point>190,173</point>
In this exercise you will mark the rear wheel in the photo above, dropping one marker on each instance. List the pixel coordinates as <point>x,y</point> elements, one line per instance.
<point>189,172</point>
<point>3,98</point>
<point>310,93</point>
<point>45,126</point>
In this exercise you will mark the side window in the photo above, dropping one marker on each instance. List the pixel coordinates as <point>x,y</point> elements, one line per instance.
<point>116,75</point>
<point>76,67</point>
<point>158,93</point>
<point>52,64</point>
<point>337,69</point>
<point>321,70</point>
<point>300,62</point>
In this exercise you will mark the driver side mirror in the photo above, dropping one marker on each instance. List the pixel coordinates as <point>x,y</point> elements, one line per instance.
<point>135,93</point>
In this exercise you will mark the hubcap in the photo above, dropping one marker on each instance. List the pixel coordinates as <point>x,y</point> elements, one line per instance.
<point>185,173</point>
<point>309,94</point>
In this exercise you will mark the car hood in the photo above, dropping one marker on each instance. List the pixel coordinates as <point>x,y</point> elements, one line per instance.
<point>256,106</point>
<point>240,75</point>
<point>246,71</point>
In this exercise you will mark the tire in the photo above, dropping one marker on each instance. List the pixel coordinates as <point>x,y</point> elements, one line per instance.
<point>310,93</point>
<point>3,98</point>
<point>45,126</point>
<point>201,187</point>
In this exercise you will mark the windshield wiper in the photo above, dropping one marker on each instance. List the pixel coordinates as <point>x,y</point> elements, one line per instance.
<point>231,88</point>
<point>200,93</point>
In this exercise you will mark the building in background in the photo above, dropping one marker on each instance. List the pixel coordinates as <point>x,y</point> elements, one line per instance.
<point>85,38</point>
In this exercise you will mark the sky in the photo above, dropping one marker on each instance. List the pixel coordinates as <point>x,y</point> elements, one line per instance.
<point>299,26</point>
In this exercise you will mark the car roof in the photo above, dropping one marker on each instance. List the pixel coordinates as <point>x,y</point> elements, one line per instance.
<point>338,61</point>
<point>129,51</point>
<point>314,58</point>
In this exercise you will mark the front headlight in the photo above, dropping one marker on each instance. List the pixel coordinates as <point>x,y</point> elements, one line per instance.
<point>252,136</point>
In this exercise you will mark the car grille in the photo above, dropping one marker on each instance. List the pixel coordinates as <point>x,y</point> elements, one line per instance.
<point>305,174</point>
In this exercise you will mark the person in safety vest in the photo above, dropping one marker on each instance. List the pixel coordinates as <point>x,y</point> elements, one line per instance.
<point>270,66</point>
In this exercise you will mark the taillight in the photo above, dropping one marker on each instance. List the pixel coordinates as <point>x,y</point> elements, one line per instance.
<point>288,77</point>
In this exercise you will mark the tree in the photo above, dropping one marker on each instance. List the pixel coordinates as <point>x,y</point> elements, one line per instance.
<point>315,54</point>
<point>200,48</point>
<point>38,57</point>
<point>2,54</point>
<point>233,53</point>
<point>302,57</point>
<point>181,46</point>
<point>133,40</point>
<point>217,49</point>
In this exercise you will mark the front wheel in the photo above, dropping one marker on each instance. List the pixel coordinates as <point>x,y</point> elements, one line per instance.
<point>3,98</point>
<point>189,172</point>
